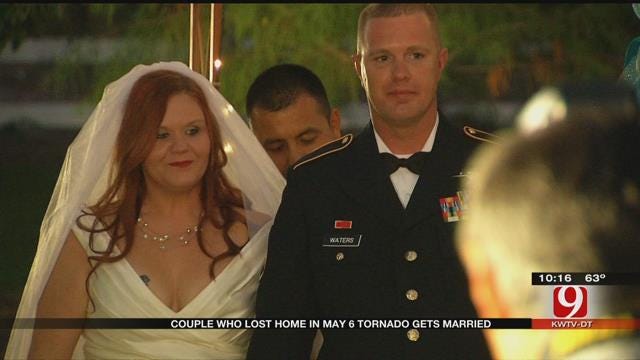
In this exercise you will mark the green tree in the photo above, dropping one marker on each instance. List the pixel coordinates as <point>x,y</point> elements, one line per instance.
<point>502,49</point>
<point>496,50</point>
<point>319,36</point>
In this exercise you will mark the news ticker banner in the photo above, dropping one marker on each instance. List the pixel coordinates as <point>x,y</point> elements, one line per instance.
<point>246,323</point>
<point>584,278</point>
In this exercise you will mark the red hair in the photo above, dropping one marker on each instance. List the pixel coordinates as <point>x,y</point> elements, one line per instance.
<point>118,209</point>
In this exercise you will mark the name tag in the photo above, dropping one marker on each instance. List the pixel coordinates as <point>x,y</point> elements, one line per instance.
<point>342,240</point>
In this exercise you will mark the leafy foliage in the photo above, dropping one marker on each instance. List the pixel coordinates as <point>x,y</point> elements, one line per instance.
<point>517,48</point>
<point>319,36</point>
<point>496,50</point>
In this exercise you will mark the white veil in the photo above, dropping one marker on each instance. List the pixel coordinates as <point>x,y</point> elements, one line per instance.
<point>85,172</point>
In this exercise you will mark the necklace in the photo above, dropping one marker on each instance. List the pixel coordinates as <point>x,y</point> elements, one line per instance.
<point>162,239</point>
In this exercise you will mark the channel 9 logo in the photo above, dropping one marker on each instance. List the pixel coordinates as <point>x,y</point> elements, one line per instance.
<point>570,301</point>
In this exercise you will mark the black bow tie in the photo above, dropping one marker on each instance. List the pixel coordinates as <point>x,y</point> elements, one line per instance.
<point>413,163</point>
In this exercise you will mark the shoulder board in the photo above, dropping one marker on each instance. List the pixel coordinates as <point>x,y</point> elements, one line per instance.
<point>481,135</point>
<point>326,149</point>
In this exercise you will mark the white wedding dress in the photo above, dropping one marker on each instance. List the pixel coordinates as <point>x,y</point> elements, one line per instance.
<point>116,288</point>
<point>118,292</point>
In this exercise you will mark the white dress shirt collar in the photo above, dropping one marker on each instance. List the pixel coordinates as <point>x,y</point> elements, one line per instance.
<point>428,145</point>
<point>403,180</point>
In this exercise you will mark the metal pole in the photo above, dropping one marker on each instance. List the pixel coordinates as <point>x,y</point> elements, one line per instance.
<point>215,41</point>
<point>196,61</point>
<point>212,70</point>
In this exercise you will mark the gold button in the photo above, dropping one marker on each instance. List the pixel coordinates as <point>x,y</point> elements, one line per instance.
<point>413,335</point>
<point>411,294</point>
<point>339,256</point>
<point>410,255</point>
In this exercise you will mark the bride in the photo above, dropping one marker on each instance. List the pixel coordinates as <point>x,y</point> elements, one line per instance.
<point>161,210</point>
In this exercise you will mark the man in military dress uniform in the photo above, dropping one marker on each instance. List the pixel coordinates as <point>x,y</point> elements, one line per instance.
<point>362,234</point>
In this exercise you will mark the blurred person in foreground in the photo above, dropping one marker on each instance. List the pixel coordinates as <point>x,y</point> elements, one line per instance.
<point>565,198</point>
<point>290,113</point>
<point>161,210</point>
<point>365,228</point>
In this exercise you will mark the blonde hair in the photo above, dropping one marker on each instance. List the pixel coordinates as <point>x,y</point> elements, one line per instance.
<point>555,201</point>
<point>373,11</point>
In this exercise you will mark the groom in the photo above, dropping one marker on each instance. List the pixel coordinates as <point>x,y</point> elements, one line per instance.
<point>363,235</point>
